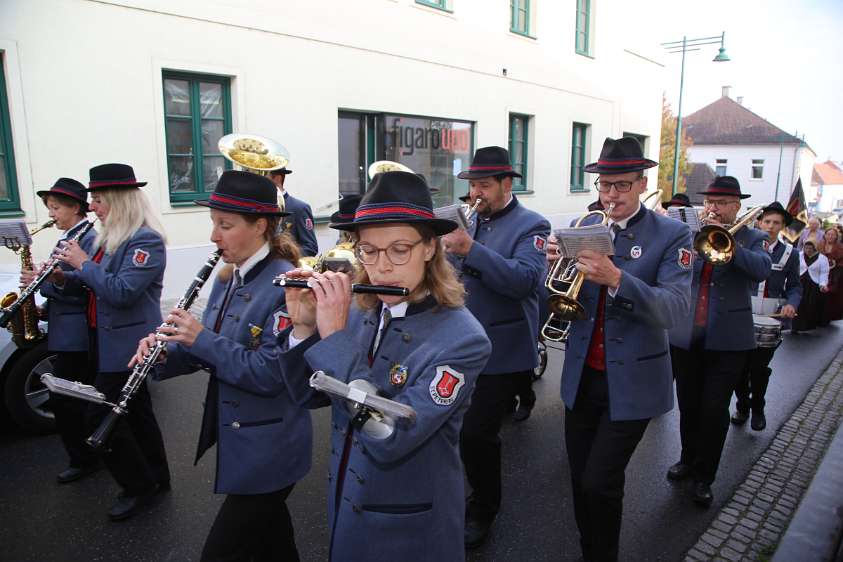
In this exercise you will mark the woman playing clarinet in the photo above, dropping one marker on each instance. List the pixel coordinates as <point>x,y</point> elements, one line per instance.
<point>263,438</point>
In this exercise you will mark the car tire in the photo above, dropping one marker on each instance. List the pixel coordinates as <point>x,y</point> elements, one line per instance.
<point>27,400</point>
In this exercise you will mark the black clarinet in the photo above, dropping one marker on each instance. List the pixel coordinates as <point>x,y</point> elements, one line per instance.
<point>141,370</point>
<point>10,311</point>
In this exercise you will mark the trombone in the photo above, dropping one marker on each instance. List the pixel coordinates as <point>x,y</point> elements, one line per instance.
<point>470,211</point>
<point>716,244</point>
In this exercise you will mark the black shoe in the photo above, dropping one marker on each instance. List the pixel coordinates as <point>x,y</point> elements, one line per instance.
<point>523,412</point>
<point>678,471</point>
<point>74,473</point>
<point>701,494</point>
<point>478,522</point>
<point>759,421</point>
<point>739,418</point>
<point>129,506</point>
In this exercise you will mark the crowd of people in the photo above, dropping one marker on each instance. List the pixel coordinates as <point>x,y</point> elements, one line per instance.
<point>438,321</point>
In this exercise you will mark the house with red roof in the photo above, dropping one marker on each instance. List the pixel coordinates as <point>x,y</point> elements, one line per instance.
<point>827,182</point>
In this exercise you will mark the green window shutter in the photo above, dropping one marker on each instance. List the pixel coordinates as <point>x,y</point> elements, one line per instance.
<point>583,24</point>
<point>9,200</point>
<point>440,4</point>
<point>197,113</point>
<point>518,148</point>
<point>519,20</point>
<point>578,143</point>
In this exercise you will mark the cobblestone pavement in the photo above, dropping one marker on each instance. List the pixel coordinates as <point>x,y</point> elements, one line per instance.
<point>751,524</point>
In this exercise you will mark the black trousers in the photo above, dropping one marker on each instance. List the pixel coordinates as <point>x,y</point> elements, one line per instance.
<point>253,528</point>
<point>752,387</point>
<point>480,442</point>
<point>599,450</point>
<point>705,381</point>
<point>70,412</point>
<point>524,390</point>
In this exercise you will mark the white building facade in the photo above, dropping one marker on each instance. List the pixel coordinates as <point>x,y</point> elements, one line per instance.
<point>155,83</point>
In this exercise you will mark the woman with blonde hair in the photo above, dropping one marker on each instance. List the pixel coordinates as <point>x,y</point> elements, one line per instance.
<point>122,281</point>
<point>389,493</point>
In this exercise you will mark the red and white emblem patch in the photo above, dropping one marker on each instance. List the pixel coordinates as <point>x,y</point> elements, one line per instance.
<point>539,243</point>
<point>686,258</point>
<point>446,385</point>
<point>280,322</point>
<point>308,224</point>
<point>140,258</point>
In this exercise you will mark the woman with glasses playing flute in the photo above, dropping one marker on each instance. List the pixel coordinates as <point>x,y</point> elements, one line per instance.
<point>388,494</point>
<point>263,438</point>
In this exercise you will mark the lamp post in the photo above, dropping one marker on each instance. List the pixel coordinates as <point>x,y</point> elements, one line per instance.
<point>684,46</point>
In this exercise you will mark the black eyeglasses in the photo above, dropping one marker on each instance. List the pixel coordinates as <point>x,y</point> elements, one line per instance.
<point>398,253</point>
<point>620,186</point>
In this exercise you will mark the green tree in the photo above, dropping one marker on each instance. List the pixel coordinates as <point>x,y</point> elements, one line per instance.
<point>666,151</point>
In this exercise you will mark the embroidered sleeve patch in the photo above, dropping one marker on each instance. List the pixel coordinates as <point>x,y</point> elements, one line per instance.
<point>308,224</point>
<point>140,258</point>
<point>280,322</point>
<point>686,258</point>
<point>539,243</point>
<point>446,385</point>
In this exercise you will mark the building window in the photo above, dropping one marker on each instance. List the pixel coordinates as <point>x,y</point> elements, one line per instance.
<point>436,148</point>
<point>642,140</point>
<point>757,169</point>
<point>440,4</point>
<point>583,23</point>
<point>519,130</point>
<point>197,109</point>
<point>720,167</point>
<point>520,16</point>
<point>579,138</point>
<point>9,202</point>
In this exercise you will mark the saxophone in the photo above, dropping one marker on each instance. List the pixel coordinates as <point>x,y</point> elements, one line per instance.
<point>24,326</point>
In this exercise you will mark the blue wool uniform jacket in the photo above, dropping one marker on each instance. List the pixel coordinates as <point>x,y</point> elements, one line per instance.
<point>300,224</point>
<point>127,287</point>
<point>66,313</point>
<point>654,255</point>
<point>729,326</point>
<point>400,498</point>
<point>263,437</point>
<point>503,274</point>
<point>783,282</point>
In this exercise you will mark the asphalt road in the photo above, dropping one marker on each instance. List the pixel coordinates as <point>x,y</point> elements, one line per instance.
<point>45,522</point>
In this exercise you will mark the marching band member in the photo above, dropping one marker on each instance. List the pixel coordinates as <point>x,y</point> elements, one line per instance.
<point>709,348</point>
<point>783,284</point>
<point>300,218</point>
<point>502,263</point>
<point>263,438</point>
<point>123,279</point>
<point>616,375</point>
<point>388,496</point>
<point>67,203</point>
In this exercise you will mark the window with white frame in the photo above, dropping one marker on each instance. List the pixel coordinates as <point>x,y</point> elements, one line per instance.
<point>757,169</point>
<point>720,167</point>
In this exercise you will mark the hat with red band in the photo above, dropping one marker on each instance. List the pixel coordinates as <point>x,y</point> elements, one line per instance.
<point>489,161</point>
<point>68,187</point>
<point>245,193</point>
<point>396,197</point>
<point>620,156</point>
<point>725,185</point>
<point>348,206</point>
<point>113,176</point>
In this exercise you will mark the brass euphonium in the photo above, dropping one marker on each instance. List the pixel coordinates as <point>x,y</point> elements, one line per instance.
<point>255,154</point>
<point>716,244</point>
<point>24,326</point>
<point>564,303</point>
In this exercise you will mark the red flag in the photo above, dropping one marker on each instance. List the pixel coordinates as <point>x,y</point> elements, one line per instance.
<point>798,209</point>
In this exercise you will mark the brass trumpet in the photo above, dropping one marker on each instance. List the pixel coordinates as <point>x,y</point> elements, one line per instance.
<point>471,212</point>
<point>716,244</point>
<point>564,303</point>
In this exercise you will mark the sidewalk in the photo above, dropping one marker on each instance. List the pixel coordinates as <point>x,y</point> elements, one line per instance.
<point>751,524</point>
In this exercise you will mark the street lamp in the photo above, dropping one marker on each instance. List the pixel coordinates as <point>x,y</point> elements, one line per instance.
<point>684,46</point>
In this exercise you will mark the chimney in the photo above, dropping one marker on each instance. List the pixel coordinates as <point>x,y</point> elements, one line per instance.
<point>740,100</point>
<point>727,91</point>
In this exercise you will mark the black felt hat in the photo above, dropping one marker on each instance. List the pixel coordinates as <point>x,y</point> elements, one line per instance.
<point>620,156</point>
<point>348,204</point>
<point>397,197</point>
<point>725,185</point>
<point>282,171</point>
<point>489,161</point>
<point>776,207</point>
<point>68,187</point>
<point>113,176</point>
<point>678,200</point>
<point>246,193</point>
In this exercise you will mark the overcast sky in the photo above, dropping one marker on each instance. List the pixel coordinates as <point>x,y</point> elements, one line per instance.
<point>787,61</point>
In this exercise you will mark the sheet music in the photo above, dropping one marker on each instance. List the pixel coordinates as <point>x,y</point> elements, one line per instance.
<point>454,213</point>
<point>14,233</point>
<point>596,237</point>
<point>688,215</point>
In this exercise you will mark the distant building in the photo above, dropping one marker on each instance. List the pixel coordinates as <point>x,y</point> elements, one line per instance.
<point>734,141</point>
<point>827,182</point>
<point>700,177</point>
